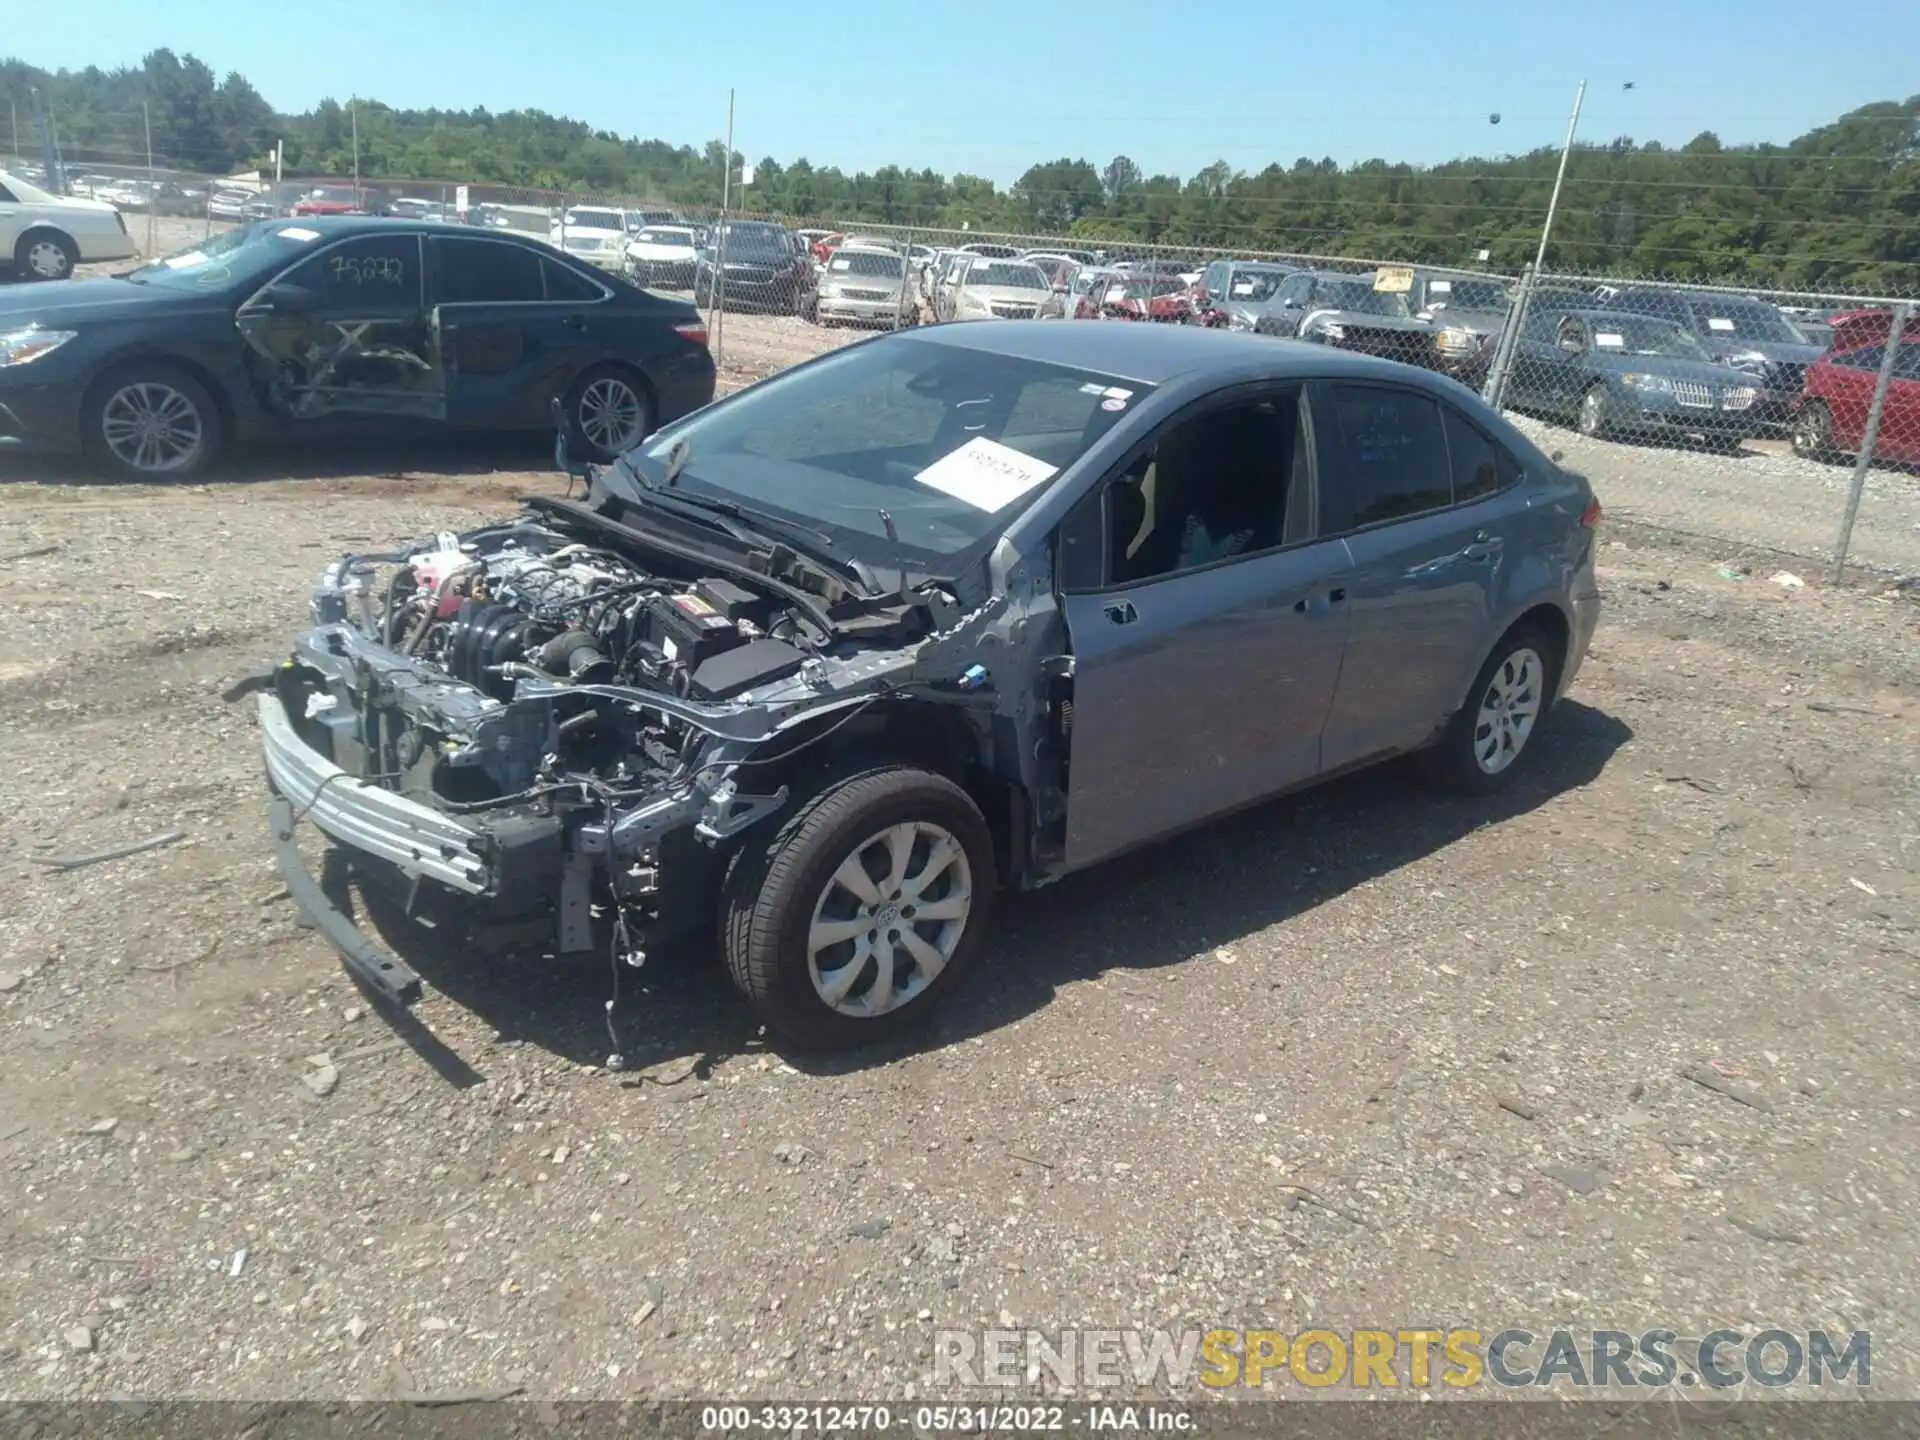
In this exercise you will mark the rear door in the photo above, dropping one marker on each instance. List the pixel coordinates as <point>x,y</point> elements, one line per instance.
<point>344,332</point>
<point>1202,672</point>
<point>1851,377</point>
<point>11,222</point>
<point>1900,423</point>
<point>514,328</point>
<point>1425,564</point>
<point>1289,306</point>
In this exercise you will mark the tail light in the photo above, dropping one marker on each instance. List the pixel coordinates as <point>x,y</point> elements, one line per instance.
<point>1591,516</point>
<point>694,330</point>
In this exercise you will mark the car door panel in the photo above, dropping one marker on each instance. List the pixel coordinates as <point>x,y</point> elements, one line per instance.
<point>344,332</point>
<point>508,350</point>
<point>1199,692</point>
<point>1422,588</point>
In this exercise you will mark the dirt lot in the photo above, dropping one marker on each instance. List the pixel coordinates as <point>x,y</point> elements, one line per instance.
<point>1254,1077</point>
<point>1717,861</point>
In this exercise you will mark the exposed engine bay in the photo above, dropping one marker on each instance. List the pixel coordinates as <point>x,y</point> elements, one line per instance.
<point>574,713</point>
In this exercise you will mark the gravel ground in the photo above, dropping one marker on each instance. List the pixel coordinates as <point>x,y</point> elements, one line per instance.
<point>1251,1077</point>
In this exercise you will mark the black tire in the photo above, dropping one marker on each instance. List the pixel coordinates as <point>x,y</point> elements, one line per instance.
<point>1594,418</point>
<point>45,255</point>
<point>117,400</point>
<point>1813,431</point>
<point>593,407</point>
<point>773,888</point>
<point>1455,762</point>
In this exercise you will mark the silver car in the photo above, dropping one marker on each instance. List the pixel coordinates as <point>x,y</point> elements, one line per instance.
<point>835,659</point>
<point>861,286</point>
<point>989,289</point>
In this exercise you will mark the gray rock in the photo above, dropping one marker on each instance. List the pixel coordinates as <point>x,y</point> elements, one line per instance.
<point>870,1229</point>
<point>1581,1182</point>
<point>79,1338</point>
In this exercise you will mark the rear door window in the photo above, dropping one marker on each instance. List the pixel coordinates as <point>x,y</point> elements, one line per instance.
<point>485,272</point>
<point>1389,452</point>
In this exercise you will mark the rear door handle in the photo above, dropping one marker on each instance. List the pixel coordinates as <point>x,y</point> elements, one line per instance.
<point>1319,604</point>
<point>1484,546</point>
<point>1121,612</point>
<point>573,322</point>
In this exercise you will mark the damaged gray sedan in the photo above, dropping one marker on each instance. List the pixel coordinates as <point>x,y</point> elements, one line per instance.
<point>830,662</point>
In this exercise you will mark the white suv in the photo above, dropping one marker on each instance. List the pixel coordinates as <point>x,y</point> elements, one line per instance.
<point>44,236</point>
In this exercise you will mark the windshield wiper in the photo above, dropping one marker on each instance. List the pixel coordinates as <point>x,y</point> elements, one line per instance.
<point>750,526</point>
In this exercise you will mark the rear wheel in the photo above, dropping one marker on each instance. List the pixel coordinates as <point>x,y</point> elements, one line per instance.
<point>152,422</point>
<point>856,916</point>
<point>1813,431</point>
<point>1505,707</point>
<point>45,255</point>
<point>609,411</point>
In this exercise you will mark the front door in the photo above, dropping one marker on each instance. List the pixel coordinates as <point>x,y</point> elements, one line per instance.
<point>1204,665</point>
<point>1427,553</point>
<point>514,328</point>
<point>344,332</point>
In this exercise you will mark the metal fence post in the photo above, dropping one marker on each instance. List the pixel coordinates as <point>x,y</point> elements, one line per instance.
<point>1868,439</point>
<point>906,276</point>
<point>1509,337</point>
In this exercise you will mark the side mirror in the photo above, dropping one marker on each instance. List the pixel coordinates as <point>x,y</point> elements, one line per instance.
<point>285,299</point>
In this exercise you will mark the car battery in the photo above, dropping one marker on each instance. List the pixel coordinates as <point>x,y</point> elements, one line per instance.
<point>689,630</point>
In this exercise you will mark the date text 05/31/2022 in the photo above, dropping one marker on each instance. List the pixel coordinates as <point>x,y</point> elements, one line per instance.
<point>944,1419</point>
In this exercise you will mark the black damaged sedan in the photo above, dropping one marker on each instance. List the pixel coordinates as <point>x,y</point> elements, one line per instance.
<point>322,326</point>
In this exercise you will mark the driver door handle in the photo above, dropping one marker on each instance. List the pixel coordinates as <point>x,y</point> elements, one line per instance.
<point>1121,612</point>
<point>1484,546</point>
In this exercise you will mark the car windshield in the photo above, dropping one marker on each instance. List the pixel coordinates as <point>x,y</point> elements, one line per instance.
<point>944,442</point>
<point>1746,321</point>
<point>1137,287</point>
<point>1360,298</point>
<point>1010,277</point>
<point>250,251</point>
<point>1475,294</point>
<point>595,220</point>
<point>665,237</point>
<point>23,192</point>
<point>756,238</point>
<point>864,263</point>
<point>340,193</point>
<point>1638,335</point>
<point>1254,284</point>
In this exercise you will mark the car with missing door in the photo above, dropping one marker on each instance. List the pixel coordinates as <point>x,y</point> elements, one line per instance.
<point>319,326</point>
<point>822,667</point>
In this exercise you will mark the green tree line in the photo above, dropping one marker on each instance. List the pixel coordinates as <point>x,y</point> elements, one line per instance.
<point>1839,207</point>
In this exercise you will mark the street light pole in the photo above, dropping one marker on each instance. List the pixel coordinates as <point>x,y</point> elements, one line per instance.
<point>1510,336</point>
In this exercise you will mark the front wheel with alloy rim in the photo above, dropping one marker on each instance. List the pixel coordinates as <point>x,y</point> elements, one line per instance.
<point>1813,431</point>
<point>1596,413</point>
<point>152,422</point>
<point>610,413</point>
<point>1488,738</point>
<point>45,255</point>
<point>860,911</point>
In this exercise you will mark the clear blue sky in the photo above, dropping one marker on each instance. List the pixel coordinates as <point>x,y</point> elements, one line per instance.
<point>991,86</point>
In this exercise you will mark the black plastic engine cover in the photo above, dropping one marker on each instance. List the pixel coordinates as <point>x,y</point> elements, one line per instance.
<point>759,662</point>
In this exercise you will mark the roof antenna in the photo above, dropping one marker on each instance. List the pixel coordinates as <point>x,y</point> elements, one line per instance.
<point>893,538</point>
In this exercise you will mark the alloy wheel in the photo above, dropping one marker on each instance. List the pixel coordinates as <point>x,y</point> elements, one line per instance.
<point>889,919</point>
<point>153,428</point>
<point>1593,412</point>
<point>612,416</point>
<point>1812,432</point>
<point>1508,709</point>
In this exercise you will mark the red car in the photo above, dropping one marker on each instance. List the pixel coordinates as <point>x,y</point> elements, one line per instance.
<point>1832,416</point>
<point>330,200</point>
<point>1125,297</point>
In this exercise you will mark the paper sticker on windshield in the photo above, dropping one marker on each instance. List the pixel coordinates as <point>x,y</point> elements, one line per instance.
<point>1112,404</point>
<point>297,233</point>
<point>840,262</point>
<point>1114,392</point>
<point>1243,287</point>
<point>1606,339</point>
<point>1440,287</point>
<point>188,261</point>
<point>1393,279</point>
<point>1718,324</point>
<point>985,474</point>
<point>1093,387</point>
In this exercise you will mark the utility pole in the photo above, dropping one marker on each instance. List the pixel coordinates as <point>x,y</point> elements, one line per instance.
<point>353,113</point>
<point>13,114</point>
<point>717,312</point>
<point>56,182</point>
<point>1510,337</point>
<point>153,191</point>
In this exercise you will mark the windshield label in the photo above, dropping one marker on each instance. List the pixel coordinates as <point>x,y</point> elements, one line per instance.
<point>1440,287</point>
<point>985,474</point>
<point>1393,280</point>
<point>1609,340</point>
<point>191,260</point>
<point>1093,387</point>
<point>1716,323</point>
<point>298,234</point>
<point>840,262</point>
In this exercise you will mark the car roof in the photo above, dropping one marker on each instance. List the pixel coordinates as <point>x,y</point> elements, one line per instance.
<point>1156,354</point>
<point>338,227</point>
<point>1603,312</point>
<point>885,250</point>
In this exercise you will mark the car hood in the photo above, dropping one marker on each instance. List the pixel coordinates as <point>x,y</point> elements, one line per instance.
<point>1673,367</point>
<point>81,302</point>
<point>1481,322</point>
<point>1360,320</point>
<point>1006,295</point>
<point>75,204</point>
<point>1728,346</point>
